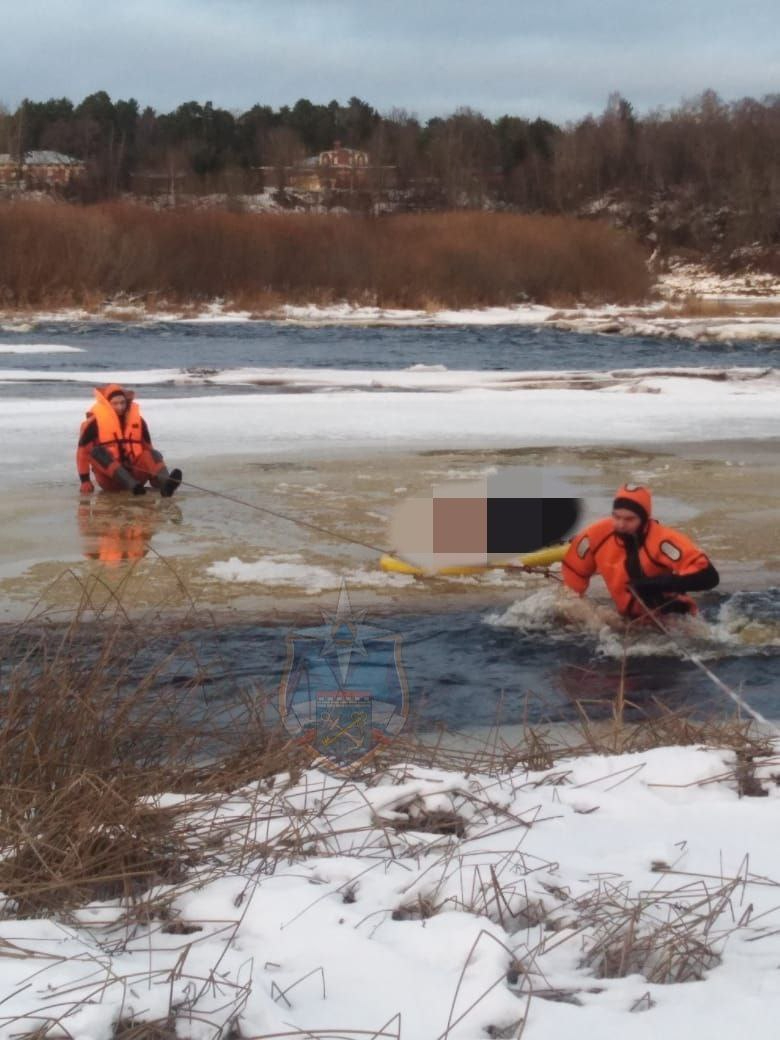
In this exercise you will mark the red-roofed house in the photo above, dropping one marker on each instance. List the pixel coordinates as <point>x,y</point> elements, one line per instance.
<point>39,169</point>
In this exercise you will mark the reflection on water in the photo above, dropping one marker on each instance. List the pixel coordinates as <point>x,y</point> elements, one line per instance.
<point>116,527</point>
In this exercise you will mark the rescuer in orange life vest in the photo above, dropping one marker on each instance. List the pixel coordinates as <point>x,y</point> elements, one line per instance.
<point>645,565</point>
<point>114,440</point>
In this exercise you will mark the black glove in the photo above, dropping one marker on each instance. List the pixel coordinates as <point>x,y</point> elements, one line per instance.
<point>699,581</point>
<point>660,583</point>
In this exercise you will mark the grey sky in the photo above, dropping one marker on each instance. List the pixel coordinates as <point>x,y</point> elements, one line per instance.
<point>555,58</point>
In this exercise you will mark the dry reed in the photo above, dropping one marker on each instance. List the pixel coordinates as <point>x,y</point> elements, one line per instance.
<point>60,255</point>
<point>700,307</point>
<point>90,735</point>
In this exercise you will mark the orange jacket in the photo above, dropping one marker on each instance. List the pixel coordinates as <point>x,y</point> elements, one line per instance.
<point>599,550</point>
<point>123,438</point>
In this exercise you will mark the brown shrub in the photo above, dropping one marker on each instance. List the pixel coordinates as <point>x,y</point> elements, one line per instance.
<point>50,255</point>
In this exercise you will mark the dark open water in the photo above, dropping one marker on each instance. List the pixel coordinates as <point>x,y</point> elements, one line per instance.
<point>463,670</point>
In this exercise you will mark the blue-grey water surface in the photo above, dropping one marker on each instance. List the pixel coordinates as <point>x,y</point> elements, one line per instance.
<point>220,346</point>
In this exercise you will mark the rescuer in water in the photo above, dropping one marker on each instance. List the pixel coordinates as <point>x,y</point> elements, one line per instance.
<point>114,441</point>
<point>645,565</point>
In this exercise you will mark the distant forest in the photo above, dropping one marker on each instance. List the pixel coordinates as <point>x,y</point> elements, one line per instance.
<point>704,175</point>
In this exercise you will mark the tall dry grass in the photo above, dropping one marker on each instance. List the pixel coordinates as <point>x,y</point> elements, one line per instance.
<point>699,307</point>
<point>94,725</point>
<point>60,254</point>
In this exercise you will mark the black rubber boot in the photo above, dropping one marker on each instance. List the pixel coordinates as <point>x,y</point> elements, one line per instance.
<point>129,481</point>
<point>169,486</point>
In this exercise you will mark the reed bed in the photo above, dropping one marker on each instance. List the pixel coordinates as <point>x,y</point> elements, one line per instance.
<point>60,255</point>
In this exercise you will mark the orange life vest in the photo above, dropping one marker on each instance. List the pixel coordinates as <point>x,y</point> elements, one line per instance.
<point>599,550</point>
<point>123,440</point>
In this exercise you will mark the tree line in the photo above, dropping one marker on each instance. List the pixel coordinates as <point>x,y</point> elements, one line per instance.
<point>703,174</point>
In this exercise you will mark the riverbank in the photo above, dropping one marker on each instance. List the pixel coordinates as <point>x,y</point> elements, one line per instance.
<point>611,879</point>
<point>689,302</point>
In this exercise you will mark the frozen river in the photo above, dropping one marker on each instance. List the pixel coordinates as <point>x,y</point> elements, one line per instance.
<point>336,426</point>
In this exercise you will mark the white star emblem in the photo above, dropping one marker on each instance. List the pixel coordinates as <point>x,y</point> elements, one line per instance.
<point>344,638</point>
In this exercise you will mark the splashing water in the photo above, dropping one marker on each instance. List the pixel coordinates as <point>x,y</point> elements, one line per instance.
<point>735,625</point>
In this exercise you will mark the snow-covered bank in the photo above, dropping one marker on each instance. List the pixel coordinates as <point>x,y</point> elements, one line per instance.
<point>652,320</point>
<point>685,280</point>
<point>742,307</point>
<point>747,306</point>
<point>620,896</point>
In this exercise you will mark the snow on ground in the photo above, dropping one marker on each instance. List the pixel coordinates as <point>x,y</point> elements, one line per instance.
<point>682,280</point>
<point>38,348</point>
<point>643,409</point>
<point>415,377</point>
<point>290,570</point>
<point>624,897</point>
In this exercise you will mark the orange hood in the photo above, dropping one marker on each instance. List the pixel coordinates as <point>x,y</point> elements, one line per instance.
<point>635,497</point>
<point>113,388</point>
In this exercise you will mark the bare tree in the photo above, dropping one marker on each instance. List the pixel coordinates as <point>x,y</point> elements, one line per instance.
<point>284,150</point>
<point>5,129</point>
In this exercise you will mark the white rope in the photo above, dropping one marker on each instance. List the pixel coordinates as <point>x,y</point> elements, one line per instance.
<point>696,660</point>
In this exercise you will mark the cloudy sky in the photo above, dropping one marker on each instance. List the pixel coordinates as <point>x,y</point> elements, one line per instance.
<point>556,58</point>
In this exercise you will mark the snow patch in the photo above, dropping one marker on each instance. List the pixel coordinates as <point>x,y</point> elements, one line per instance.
<point>289,571</point>
<point>37,348</point>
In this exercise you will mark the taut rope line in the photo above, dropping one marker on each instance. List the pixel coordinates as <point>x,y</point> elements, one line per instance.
<point>697,661</point>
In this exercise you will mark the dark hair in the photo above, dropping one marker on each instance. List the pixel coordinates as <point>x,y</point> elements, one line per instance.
<point>633,505</point>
